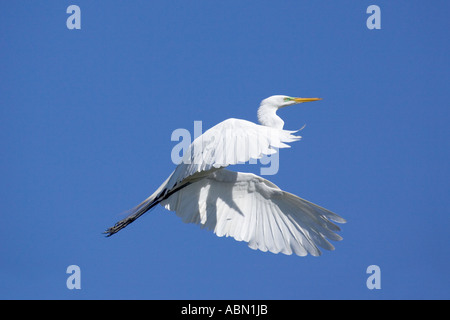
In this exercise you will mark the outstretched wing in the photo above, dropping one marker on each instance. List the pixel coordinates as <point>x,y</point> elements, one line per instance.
<point>252,209</point>
<point>230,142</point>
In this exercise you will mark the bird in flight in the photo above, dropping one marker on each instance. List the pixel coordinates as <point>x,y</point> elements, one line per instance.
<point>242,205</point>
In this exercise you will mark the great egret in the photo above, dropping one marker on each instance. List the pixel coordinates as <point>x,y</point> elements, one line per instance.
<point>243,205</point>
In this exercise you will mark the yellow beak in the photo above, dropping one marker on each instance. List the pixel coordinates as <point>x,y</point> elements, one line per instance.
<point>300,100</point>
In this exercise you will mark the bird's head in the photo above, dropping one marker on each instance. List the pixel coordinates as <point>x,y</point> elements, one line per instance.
<point>280,101</point>
<point>267,110</point>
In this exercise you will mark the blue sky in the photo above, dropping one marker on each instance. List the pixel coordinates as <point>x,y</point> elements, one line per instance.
<point>86,118</point>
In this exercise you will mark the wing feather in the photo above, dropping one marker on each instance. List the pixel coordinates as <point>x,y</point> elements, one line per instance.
<point>252,209</point>
<point>230,142</point>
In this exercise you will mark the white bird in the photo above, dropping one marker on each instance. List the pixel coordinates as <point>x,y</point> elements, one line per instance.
<point>243,205</point>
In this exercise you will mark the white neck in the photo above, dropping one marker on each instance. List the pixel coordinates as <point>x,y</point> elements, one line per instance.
<point>267,116</point>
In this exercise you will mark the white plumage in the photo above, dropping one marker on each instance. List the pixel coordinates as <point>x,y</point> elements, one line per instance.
<point>252,209</point>
<point>243,205</point>
<point>230,142</point>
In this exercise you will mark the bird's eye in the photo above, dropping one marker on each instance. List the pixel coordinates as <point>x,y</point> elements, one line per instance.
<point>287,99</point>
